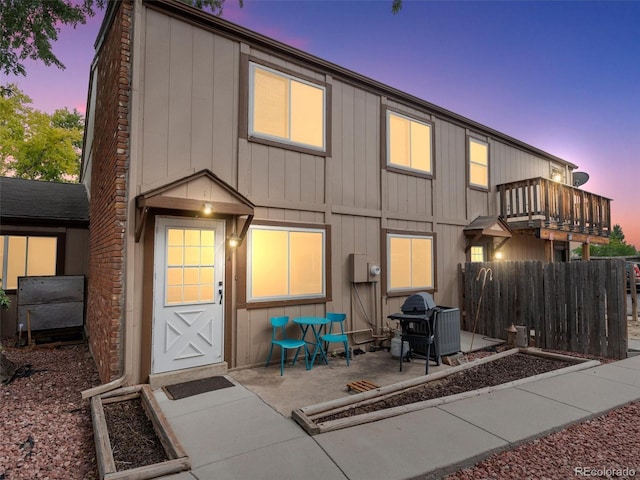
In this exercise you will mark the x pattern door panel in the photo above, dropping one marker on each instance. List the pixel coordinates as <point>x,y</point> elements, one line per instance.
<point>188,310</point>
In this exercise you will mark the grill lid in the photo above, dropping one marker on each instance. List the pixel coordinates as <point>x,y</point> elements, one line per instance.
<point>418,303</point>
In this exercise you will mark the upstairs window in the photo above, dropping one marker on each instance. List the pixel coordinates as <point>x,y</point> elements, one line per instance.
<point>26,256</point>
<point>286,109</point>
<point>478,163</point>
<point>286,263</point>
<point>408,143</point>
<point>411,262</point>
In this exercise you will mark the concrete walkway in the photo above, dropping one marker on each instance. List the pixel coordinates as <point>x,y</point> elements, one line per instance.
<point>232,434</point>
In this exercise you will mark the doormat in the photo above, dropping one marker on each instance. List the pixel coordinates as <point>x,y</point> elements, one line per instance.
<point>195,387</point>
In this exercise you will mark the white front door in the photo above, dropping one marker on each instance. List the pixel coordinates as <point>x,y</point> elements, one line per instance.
<point>188,308</point>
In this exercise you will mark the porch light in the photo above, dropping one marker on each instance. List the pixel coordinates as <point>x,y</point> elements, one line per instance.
<point>498,255</point>
<point>207,208</point>
<point>234,240</point>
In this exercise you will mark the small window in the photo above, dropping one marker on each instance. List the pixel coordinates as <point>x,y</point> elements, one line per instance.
<point>26,256</point>
<point>478,163</point>
<point>408,143</point>
<point>477,253</point>
<point>410,261</point>
<point>286,263</point>
<point>286,109</point>
<point>189,266</point>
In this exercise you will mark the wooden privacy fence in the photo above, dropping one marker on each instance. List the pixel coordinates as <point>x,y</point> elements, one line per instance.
<point>573,306</point>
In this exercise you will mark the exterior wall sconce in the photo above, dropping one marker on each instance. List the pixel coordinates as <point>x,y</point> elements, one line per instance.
<point>234,240</point>
<point>556,175</point>
<point>498,255</point>
<point>207,208</point>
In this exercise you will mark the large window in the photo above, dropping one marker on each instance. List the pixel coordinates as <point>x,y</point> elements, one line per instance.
<point>410,260</point>
<point>478,163</point>
<point>286,263</point>
<point>408,143</point>
<point>26,256</point>
<point>286,109</point>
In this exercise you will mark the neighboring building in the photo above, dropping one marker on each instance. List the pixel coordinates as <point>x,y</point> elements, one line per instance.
<point>317,170</point>
<point>44,230</point>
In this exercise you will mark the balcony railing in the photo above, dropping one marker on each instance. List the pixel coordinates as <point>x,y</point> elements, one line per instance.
<point>540,202</point>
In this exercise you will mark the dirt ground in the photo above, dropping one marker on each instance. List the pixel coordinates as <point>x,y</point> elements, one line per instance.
<point>503,370</point>
<point>133,440</point>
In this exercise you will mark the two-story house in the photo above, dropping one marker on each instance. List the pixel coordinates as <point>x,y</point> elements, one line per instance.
<point>234,178</point>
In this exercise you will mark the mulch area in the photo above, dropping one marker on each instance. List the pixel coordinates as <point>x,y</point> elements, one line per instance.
<point>605,447</point>
<point>45,426</point>
<point>496,372</point>
<point>133,441</point>
<point>46,431</point>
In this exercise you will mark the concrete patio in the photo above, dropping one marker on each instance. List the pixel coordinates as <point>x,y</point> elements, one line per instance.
<point>232,433</point>
<point>299,387</point>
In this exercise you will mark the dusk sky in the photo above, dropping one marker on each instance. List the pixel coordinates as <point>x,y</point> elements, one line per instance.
<point>561,76</point>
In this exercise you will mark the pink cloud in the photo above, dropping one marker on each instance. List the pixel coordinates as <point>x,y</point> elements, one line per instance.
<point>234,13</point>
<point>243,16</point>
<point>296,42</point>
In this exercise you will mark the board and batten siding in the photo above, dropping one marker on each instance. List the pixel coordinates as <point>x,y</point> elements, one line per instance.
<point>355,164</point>
<point>190,102</point>
<point>189,108</point>
<point>451,171</point>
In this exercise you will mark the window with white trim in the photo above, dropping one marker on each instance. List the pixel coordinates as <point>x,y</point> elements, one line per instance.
<point>408,143</point>
<point>286,109</point>
<point>411,263</point>
<point>285,263</point>
<point>26,256</point>
<point>478,163</point>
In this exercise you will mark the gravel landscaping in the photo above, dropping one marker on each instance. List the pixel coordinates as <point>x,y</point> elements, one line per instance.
<point>45,426</point>
<point>46,430</point>
<point>605,447</point>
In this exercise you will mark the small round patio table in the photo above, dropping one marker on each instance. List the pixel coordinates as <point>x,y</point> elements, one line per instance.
<point>317,324</point>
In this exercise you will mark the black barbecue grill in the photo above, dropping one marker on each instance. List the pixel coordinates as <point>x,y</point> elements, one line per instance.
<point>418,322</point>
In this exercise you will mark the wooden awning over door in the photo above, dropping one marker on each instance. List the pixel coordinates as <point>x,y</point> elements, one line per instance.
<point>487,226</point>
<point>190,194</point>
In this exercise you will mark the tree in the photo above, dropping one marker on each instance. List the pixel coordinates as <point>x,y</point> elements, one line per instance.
<point>36,145</point>
<point>617,246</point>
<point>28,27</point>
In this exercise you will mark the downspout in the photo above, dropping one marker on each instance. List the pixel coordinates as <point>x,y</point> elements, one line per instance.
<point>129,313</point>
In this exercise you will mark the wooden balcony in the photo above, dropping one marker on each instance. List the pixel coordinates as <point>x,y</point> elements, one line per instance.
<point>555,210</point>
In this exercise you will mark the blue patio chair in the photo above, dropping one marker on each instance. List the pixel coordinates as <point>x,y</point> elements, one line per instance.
<point>285,343</point>
<point>331,337</point>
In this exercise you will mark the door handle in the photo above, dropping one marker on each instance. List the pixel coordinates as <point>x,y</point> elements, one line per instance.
<point>220,291</point>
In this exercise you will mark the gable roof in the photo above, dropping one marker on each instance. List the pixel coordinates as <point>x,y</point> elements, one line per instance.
<point>207,188</point>
<point>492,226</point>
<point>35,202</point>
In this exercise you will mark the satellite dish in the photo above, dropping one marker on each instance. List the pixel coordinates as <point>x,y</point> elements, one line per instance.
<point>580,178</point>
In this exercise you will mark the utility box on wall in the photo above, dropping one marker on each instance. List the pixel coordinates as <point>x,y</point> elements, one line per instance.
<point>362,270</point>
<point>359,272</point>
